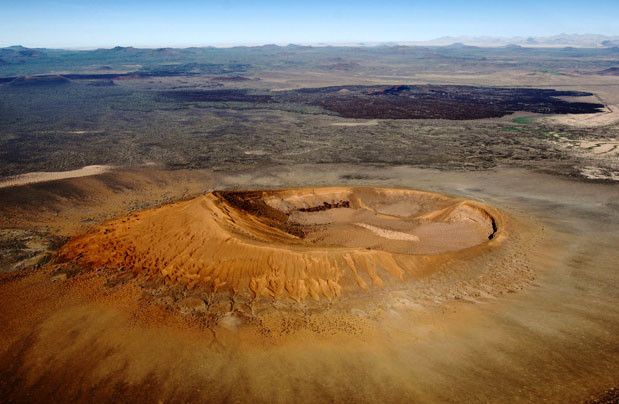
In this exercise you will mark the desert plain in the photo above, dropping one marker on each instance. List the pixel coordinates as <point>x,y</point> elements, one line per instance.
<point>298,224</point>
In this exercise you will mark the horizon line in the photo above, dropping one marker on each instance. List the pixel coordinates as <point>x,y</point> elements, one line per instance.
<point>474,40</point>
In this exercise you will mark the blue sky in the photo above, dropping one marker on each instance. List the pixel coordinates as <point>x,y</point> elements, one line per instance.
<point>89,23</point>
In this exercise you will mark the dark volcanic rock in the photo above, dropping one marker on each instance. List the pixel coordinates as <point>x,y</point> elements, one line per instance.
<point>611,71</point>
<point>231,78</point>
<point>40,81</point>
<point>406,101</point>
<point>30,53</point>
<point>439,102</point>
<point>102,83</point>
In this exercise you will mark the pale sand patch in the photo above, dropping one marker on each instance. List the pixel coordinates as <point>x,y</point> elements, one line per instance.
<point>83,132</point>
<point>255,153</point>
<point>598,173</point>
<point>368,123</point>
<point>607,148</point>
<point>599,147</point>
<point>31,178</point>
<point>390,234</point>
<point>609,117</point>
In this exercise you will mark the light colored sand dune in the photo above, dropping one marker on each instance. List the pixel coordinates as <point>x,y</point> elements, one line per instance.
<point>31,178</point>
<point>352,124</point>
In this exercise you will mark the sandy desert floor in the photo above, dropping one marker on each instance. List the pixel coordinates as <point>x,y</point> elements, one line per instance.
<point>530,317</point>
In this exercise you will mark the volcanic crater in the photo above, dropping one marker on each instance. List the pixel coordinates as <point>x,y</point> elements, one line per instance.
<point>305,243</point>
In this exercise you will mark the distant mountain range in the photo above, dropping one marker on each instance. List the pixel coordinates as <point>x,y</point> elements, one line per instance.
<point>575,40</point>
<point>561,40</point>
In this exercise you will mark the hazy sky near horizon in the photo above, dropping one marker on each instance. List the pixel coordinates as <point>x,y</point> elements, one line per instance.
<point>158,23</point>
